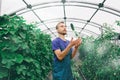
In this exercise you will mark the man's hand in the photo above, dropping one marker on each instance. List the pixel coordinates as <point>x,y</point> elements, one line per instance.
<point>78,42</point>
<point>75,43</point>
<point>72,42</point>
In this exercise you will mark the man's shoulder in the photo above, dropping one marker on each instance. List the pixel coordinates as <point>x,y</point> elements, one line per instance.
<point>55,40</point>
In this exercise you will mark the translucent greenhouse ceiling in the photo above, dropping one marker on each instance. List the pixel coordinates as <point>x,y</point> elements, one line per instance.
<point>88,16</point>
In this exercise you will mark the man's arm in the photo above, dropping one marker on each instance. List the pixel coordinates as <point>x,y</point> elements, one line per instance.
<point>76,48</point>
<point>61,54</point>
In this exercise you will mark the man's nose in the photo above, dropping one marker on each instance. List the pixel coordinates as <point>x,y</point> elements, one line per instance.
<point>65,27</point>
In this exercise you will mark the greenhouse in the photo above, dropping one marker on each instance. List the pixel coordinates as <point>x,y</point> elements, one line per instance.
<point>59,40</point>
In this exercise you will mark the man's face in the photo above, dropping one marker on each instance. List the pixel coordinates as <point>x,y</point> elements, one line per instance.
<point>62,29</point>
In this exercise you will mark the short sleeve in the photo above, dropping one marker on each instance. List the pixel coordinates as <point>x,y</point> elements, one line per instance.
<point>55,45</point>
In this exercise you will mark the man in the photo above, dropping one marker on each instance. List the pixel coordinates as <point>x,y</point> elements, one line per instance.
<point>63,52</point>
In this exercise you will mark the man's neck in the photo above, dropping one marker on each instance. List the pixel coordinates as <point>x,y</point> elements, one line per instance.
<point>62,37</point>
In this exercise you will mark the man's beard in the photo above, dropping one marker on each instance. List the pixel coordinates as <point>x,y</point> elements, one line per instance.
<point>62,33</point>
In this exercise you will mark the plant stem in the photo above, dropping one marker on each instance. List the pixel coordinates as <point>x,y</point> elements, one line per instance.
<point>9,74</point>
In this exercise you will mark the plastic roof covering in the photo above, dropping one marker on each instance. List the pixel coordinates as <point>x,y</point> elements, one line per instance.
<point>88,16</point>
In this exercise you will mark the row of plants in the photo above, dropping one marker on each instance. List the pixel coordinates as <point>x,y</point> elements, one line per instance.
<point>99,57</point>
<point>25,52</point>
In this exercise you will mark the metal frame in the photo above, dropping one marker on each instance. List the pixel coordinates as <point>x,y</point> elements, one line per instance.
<point>98,7</point>
<point>47,5</point>
<point>77,20</point>
<point>0,6</point>
<point>69,29</point>
<point>68,32</point>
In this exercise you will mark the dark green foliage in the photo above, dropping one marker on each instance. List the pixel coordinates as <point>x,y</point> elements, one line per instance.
<point>25,52</point>
<point>100,57</point>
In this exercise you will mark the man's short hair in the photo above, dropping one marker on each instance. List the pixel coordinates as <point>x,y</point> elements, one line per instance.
<point>59,23</point>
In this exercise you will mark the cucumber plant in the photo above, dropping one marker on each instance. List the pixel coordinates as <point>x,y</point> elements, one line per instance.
<point>25,52</point>
<point>100,56</point>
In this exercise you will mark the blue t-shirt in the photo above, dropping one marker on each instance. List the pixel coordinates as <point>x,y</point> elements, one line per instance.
<point>61,69</point>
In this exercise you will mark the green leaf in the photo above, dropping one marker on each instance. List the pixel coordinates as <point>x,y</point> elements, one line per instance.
<point>19,58</point>
<point>23,35</point>
<point>25,46</point>
<point>25,28</point>
<point>28,59</point>
<point>16,39</point>
<point>12,32</point>
<point>3,72</point>
<point>4,61</point>
<point>37,64</point>
<point>13,48</point>
<point>21,69</point>
<point>118,22</point>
